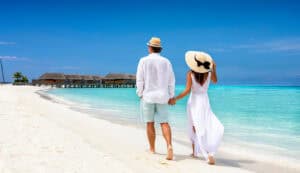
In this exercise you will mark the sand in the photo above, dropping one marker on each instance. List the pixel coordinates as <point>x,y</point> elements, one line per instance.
<point>38,135</point>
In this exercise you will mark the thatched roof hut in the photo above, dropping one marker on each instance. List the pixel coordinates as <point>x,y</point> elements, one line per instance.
<point>73,80</point>
<point>52,76</point>
<point>50,79</point>
<point>87,78</point>
<point>73,77</point>
<point>116,76</point>
<point>97,78</point>
<point>131,76</point>
<point>119,80</point>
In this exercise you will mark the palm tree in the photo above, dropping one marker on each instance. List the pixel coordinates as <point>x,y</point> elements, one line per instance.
<point>17,76</point>
<point>24,79</point>
<point>2,70</point>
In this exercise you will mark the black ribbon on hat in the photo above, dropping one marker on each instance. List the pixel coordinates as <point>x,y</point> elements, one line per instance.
<point>205,64</point>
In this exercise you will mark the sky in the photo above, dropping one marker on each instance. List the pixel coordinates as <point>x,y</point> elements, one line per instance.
<point>252,42</point>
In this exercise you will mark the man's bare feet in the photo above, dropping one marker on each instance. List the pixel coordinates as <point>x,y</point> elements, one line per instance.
<point>192,155</point>
<point>211,160</point>
<point>170,153</point>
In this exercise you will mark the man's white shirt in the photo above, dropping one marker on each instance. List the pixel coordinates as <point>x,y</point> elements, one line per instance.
<point>155,80</point>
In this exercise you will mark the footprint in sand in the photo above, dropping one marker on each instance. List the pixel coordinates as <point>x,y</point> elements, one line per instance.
<point>163,162</point>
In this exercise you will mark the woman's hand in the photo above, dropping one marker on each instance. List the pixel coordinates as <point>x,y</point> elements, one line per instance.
<point>214,73</point>
<point>214,65</point>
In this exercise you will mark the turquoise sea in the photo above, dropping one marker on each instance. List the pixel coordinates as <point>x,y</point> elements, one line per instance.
<point>254,117</point>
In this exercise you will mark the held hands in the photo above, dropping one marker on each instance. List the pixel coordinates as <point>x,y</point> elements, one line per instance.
<point>172,101</point>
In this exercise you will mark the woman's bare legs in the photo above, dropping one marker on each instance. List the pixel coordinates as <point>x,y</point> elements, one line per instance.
<point>211,160</point>
<point>193,145</point>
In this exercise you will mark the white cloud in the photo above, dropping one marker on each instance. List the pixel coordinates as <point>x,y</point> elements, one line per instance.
<point>6,43</point>
<point>283,45</point>
<point>291,46</point>
<point>13,58</point>
<point>9,58</point>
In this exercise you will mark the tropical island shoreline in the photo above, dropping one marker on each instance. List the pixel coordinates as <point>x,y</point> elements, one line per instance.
<point>40,134</point>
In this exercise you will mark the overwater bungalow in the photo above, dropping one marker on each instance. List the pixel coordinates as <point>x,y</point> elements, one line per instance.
<point>60,80</point>
<point>74,81</point>
<point>91,81</point>
<point>52,79</point>
<point>115,80</point>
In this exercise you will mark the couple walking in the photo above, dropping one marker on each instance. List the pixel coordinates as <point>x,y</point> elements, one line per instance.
<point>155,83</point>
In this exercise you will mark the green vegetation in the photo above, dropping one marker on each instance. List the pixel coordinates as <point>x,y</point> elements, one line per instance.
<point>20,78</point>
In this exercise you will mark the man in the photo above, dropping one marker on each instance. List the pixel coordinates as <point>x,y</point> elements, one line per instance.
<point>155,83</point>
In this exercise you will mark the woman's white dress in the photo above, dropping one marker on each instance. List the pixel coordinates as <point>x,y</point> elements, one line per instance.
<point>209,130</point>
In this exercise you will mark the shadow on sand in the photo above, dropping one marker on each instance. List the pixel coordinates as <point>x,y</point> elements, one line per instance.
<point>237,163</point>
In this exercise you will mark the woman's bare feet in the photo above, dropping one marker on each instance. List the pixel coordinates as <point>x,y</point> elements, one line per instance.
<point>193,148</point>
<point>170,153</point>
<point>211,160</point>
<point>152,151</point>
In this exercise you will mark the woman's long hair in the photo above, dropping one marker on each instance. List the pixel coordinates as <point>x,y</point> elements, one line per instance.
<point>200,77</point>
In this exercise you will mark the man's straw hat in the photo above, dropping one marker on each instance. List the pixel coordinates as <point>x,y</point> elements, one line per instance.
<point>200,62</point>
<point>154,42</point>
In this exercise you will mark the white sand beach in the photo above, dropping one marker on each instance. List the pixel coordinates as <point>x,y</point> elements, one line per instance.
<point>38,135</point>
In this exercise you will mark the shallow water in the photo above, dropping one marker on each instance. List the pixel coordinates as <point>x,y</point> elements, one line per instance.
<point>265,118</point>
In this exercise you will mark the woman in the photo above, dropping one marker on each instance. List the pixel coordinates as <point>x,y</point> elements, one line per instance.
<point>205,130</point>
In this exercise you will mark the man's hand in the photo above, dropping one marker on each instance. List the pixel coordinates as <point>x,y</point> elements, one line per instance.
<point>172,101</point>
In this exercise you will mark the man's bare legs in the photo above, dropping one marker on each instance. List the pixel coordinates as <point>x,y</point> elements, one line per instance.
<point>166,130</point>
<point>151,136</point>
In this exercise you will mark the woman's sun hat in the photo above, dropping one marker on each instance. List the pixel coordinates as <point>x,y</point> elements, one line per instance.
<point>199,62</point>
<point>154,42</point>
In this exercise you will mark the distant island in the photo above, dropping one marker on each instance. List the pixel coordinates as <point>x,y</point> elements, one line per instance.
<point>111,80</point>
